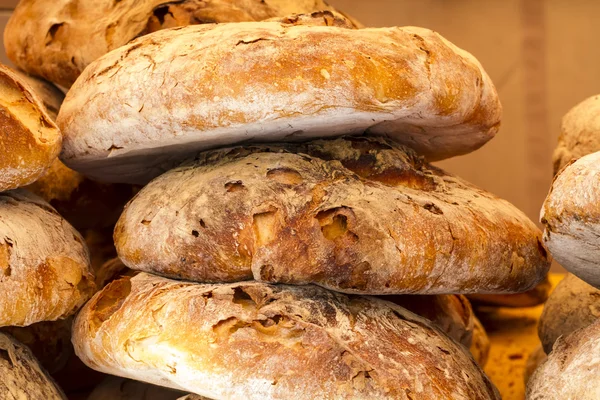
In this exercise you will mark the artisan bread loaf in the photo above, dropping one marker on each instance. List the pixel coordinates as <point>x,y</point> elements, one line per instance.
<point>580,133</point>
<point>572,305</point>
<point>571,217</point>
<point>44,265</point>
<point>572,369</point>
<point>176,94</point>
<point>57,39</point>
<point>357,215</point>
<point>30,141</point>
<point>22,376</point>
<point>531,298</point>
<point>252,340</point>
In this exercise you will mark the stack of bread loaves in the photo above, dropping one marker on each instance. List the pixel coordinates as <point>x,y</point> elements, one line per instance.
<point>287,186</point>
<point>570,324</point>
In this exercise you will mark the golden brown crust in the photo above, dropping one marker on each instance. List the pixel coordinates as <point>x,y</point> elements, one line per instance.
<point>57,39</point>
<point>22,376</point>
<point>45,273</point>
<point>358,215</point>
<point>29,139</point>
<point>292,83</point>
<point>572,305</point>
<point>257,341</point>
<point>531,298</point>
<point>571,371</point>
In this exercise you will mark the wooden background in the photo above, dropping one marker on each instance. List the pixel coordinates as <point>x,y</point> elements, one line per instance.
<point>542,56</point>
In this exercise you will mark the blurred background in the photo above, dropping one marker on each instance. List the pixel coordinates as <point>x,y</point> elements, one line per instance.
<point>540,55</point>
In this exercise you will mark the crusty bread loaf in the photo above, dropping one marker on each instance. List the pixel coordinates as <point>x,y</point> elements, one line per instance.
<point>57,39</point>
<point>114,388</point>
<point>580,133</point>
<point>358,215</point>
<point>49,341</point>
<point>44,264</point>
<point>29,139</point>
<point>572,370</point>
<point>573,305</point>
<point>531,298</point>
<point>22,378</point>
<point>571,217</point>
<point>176,94</point>
<point>252,340</point>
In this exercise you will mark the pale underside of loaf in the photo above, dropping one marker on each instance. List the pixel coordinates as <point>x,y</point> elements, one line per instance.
<point>188,89</point>
<point>356,215</point>
<point>256,341</point>
<point>571,217</point>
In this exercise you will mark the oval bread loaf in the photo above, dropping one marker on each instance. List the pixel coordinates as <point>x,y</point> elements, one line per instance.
<point>22,376</point>
<point>572,305</point>
<point>358,215</point>
<point>45,270</point>
<point>580,133</point>
<point>176,94</point>
<point>252,340</point>
<point>57,39</point>
<point>571,371</point>
<point>51,96</point>
<point>30,141</point>
<point>571,217</point>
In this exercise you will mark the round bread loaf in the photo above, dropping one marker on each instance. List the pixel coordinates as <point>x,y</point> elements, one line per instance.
<point>30,141</point>
<point>531,298</point>
<point>571,370</point>
<point>572,305</point>
<point>252,340</point>
<point>22,376</point>
<point>49,341</point>
<point>176,94</point>
<point>45,270</point>
<point>57,39</point>
<point>357,215</point>
<point>580,133</point>
<point>571,217</point>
